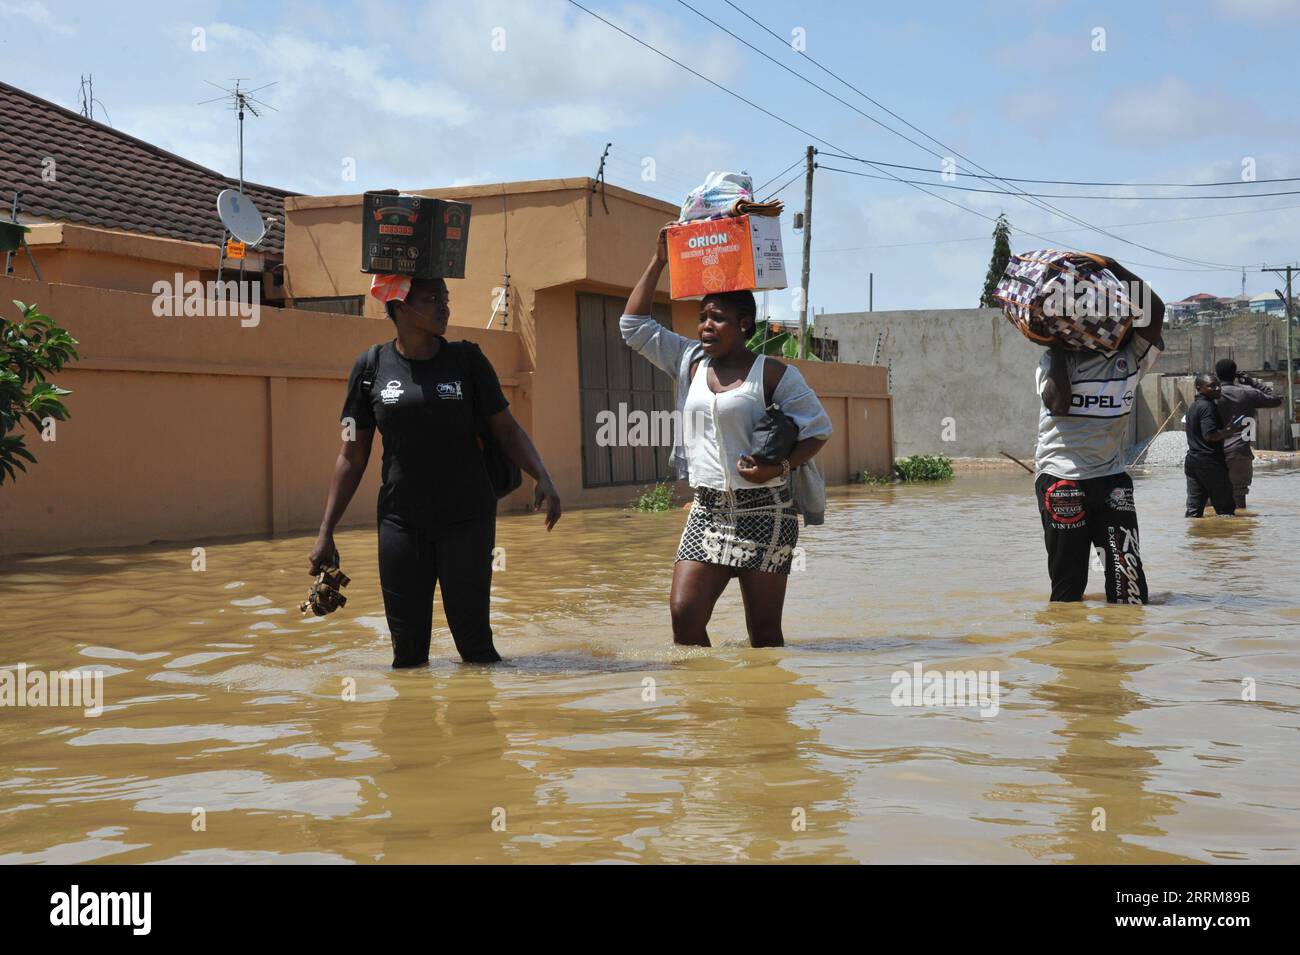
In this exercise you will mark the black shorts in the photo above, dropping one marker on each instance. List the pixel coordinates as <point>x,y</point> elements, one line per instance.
<point>1079,515</point>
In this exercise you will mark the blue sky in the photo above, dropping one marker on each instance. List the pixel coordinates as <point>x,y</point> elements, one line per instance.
<point>442,93</point>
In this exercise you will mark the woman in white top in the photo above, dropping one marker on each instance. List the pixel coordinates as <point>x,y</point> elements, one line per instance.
<point>743,522</point>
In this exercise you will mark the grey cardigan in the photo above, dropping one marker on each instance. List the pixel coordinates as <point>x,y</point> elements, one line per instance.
<point>674,353</point>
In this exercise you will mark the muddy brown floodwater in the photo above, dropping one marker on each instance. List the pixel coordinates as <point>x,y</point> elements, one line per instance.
<point>1121,733</point>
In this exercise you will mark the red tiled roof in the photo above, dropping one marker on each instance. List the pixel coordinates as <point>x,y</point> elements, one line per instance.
<point>106,178</point>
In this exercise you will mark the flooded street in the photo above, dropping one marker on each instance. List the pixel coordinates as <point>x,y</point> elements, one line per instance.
<point>598,741</point>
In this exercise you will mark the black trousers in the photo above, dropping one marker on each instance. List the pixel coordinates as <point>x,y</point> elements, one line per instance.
<point>1081,514</point>
<point>1207,480</point>
<point>457,557</point>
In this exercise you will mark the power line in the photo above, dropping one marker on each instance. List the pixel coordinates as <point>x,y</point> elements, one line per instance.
<point>1018,192</point>
<point>795,73</point>
<point>666,179</point>
<point>1208,266</point>
<point>1118,225</point>
<point>779,175</point>
<point>788,183</point>
<point>1076,182</point>
<point>662,171</point>
<point>1040,195</point>
<point>785,122</point>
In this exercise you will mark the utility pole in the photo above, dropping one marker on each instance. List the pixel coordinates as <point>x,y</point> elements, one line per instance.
<point>807,252</point>
<point>1290,371</point>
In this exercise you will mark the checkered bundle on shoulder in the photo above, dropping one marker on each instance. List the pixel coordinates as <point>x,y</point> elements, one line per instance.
<point>1070,298</point>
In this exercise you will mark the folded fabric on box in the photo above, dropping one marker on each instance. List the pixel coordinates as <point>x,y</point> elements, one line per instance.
<point>1067,298</point>
<point>388,288</point>
<point>744,207</point>
<point>719,192</point>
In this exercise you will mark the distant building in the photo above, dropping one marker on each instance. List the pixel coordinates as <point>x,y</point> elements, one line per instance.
<point>1267,302</point>
<point>1192,306</point>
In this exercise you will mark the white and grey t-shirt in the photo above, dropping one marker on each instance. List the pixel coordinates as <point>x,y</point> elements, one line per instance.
<point>1090,440</point>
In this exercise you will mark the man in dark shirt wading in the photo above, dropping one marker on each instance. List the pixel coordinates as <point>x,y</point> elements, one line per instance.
<point>1205,466</point>
<point>1242,395</point>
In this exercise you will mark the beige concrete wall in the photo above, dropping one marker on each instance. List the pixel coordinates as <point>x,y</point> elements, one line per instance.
<point>197,428</point>
<point>964,377</point>
<point>104,258</point>
<point>542,224</point>
<point>188,428</point>
<point>860,408</point>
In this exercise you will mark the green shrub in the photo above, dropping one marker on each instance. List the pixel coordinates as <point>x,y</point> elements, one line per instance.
<point>869,479</point>
<point>29,348</point>
<point>657,498</point>
<point>924,467</point>
<point>783,344</point>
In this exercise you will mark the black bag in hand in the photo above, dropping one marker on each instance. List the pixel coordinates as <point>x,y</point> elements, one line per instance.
<point>776,434</point>
<point>774,437</point>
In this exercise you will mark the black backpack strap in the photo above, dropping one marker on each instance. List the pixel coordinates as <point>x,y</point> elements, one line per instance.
<point>369,371</point>
<point>459,351</point>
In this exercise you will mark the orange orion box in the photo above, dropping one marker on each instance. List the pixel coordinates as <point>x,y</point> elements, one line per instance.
<point>725,255</point>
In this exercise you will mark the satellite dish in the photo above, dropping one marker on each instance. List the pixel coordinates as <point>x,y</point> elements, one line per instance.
<point>240,216</point>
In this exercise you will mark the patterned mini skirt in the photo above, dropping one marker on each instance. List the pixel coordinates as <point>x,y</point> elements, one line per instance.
<point>750,529</point>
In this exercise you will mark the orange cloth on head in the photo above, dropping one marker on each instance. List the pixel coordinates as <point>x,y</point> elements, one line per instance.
<point>388,288</point>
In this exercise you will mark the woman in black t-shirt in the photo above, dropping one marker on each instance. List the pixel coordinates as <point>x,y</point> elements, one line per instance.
<point>437,506</point>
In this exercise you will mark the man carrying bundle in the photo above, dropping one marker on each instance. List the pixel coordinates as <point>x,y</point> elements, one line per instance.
<point>1087,382</point>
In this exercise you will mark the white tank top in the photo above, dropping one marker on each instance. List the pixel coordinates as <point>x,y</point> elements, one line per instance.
<point>719,428</point>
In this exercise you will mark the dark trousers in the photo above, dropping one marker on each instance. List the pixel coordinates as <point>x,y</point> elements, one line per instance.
<point>1241,468</point>
<point>1078,515</point>
<point>457,557</point>
<point>1207,479</point>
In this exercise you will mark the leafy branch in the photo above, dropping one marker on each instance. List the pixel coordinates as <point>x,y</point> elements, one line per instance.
<point>30,348</point>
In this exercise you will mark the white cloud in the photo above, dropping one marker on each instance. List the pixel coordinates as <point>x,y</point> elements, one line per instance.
<point>529,52</point>
<point>38,13</point>
<point>311,70</point>
<point>1171,111</point>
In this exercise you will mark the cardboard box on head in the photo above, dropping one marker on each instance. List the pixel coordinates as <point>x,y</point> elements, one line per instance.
<point>413,235</point>
<point>725,255</point>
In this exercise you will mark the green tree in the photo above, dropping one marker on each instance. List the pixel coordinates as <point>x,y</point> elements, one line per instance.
<point>29,348</point>
<point>783,344</point>
<point>998,264</point>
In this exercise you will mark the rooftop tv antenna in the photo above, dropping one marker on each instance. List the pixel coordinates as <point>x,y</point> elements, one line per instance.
<point>88,97</point>
<point>88,100</point>
<point>241,100</point>
<point>599,180</point>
